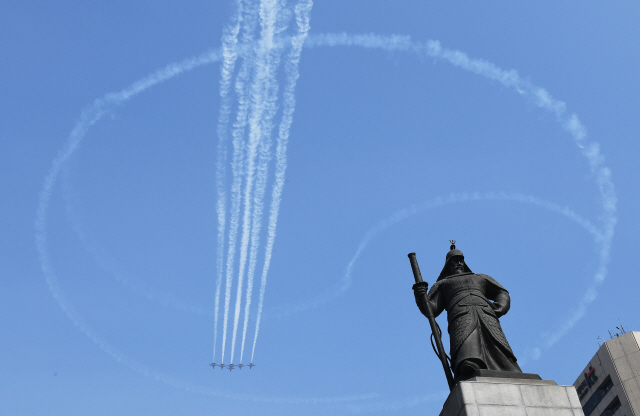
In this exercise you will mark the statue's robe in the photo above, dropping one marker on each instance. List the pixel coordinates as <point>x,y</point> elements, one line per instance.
<point>474,330</point>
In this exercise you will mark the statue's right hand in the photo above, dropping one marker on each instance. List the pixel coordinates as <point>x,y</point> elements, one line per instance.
<point>420,288</point>
<point>420,293</point>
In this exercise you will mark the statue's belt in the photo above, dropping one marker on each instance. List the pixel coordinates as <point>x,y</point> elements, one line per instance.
<point>475,298</point>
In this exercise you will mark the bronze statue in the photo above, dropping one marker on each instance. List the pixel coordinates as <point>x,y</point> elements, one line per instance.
<point>473,302</point>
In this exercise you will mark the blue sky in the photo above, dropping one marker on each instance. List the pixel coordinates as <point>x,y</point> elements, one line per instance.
<point>390,151</point>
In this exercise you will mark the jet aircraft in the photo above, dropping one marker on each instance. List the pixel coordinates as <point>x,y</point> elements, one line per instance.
<point>231,367</point>
<point>240,366</point>
<point>213,365</point>
<point>251,365</point>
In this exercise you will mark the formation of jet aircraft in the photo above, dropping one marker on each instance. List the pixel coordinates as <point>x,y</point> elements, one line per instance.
<point>232,366</point>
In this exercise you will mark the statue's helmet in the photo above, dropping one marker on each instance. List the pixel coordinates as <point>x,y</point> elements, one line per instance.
<point>453,252</point>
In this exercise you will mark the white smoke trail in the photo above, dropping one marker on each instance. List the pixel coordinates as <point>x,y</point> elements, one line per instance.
<point>74,316</point>
<point>264,74</point>
<point>302,15</point>
<point>108,264</point>
<point>262,171</point>
<point>510,79</point>
<point>134,365</point>
<point>541,97</point>
<point>229,46</point>
<point>265,156</point>
<point>405,213</point>
<point>88,118</point>
<point>507,78</point>
<point>237,164</point>
<point>92,115</point>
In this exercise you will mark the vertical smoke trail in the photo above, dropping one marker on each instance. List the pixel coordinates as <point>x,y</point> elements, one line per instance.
<point>229,56</point>
<point>263,74</point>
<point>241,88</point>
<point>88,118</point>
<point>262,171</point>
<point>265,156</point>
<point>236,167</point>
<point>302,14</point>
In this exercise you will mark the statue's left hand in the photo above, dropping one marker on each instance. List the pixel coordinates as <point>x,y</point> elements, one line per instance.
<point>498,309</point>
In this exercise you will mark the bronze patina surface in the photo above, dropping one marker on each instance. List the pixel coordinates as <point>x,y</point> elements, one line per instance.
<point>474,304</point>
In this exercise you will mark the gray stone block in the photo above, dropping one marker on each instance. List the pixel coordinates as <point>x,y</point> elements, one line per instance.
<point>546,411</point>
<point>471,410</point>
<point>502,411</point>
<point>482,396</point>
<point>574,401</point>
<point>545,396</point>
<point>466,394</point>
<point>498,394</point>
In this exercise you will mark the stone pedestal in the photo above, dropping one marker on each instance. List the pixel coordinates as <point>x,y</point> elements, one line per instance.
<point>490,396</point>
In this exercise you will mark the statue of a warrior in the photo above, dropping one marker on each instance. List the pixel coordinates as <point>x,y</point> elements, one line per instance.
<point>473,302</point>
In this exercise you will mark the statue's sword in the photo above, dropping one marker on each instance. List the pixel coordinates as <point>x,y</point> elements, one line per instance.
<point>432,321</point>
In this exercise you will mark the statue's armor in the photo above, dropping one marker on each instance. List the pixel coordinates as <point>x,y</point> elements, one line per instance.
<point>467,299</point>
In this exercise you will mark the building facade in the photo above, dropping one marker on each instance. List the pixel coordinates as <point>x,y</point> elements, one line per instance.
<point>610,383</point>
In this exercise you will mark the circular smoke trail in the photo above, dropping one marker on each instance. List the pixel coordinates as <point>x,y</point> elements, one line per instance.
<point>603,235</point>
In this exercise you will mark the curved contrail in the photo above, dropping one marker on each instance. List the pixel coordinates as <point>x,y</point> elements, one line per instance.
<point>108,264</point>
<point>570,122</point>
<point>345,283</point>
<point>92,115</point>
<point>510,79</point>
<point>543,99</point>
<point>88,118</point>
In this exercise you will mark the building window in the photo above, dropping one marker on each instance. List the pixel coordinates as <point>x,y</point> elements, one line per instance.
<point>613,406</point>
<point>597,397</point>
